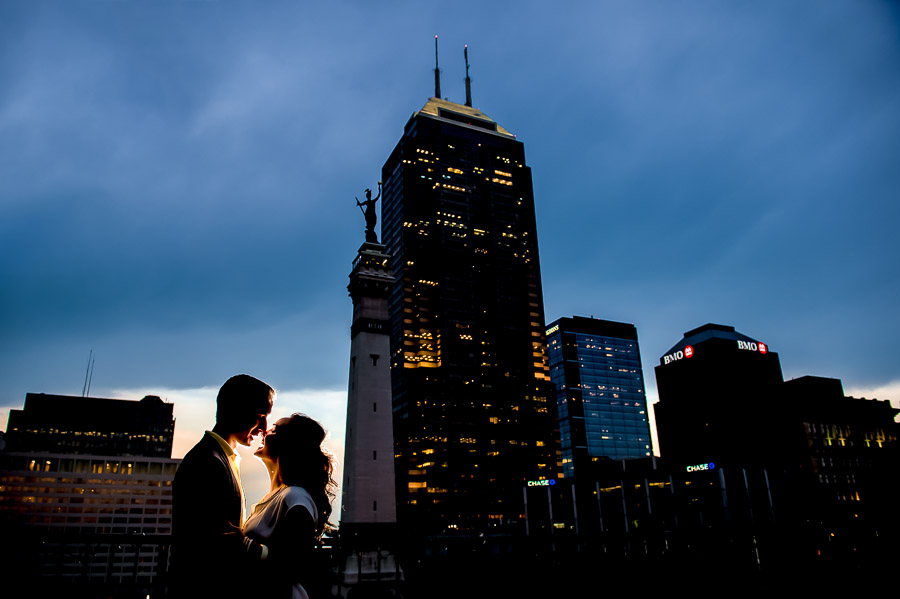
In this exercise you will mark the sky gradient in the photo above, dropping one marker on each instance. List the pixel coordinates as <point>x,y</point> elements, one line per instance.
<point>177,180</point>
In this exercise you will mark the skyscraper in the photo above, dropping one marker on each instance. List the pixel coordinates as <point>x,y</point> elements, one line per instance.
<point>595,366</point>
<point>473,412</point>
<point>718,392</point>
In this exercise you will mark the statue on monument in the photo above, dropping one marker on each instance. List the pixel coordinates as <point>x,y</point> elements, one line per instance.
<point>369,213</point>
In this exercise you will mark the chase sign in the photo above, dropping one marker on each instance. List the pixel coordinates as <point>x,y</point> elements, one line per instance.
<point>701,467</point>
<point>541,483</point>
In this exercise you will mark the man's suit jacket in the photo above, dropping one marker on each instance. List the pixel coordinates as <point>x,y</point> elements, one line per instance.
<point>209,552</point>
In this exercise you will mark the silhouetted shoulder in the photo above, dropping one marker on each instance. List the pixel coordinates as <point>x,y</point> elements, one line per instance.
<point>299,497</point>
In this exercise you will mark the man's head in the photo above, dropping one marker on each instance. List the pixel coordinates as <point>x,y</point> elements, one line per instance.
<point>242,406</point>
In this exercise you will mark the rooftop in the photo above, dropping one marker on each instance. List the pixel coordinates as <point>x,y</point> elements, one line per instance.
<point>460,114</point>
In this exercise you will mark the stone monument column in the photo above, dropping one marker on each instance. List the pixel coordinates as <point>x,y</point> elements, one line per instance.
<point>369,512</point>
<point>368,490</point>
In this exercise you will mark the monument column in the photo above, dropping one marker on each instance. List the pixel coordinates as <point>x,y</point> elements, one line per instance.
<point>368,490</point>
<point>369,513</point>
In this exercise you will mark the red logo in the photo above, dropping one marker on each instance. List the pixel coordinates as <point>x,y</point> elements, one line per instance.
<point>762,348</point>
<point>689,351</point>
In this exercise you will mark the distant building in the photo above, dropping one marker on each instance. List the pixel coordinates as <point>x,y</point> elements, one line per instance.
<point>843,454</point>
<point>648,507</point>
<point>820,512</point>
<point>92,425</point>
<point>826,462</point>
<point>718,390</point>
<point>840,435</point>
<point>86,495</point>
<point>596,368</point>
<point>472,401</point>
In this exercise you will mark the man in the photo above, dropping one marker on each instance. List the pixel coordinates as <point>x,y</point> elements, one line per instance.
<point>211,557</point>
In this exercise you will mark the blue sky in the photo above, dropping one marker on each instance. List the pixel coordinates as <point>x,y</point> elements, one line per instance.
<point>177,179</point>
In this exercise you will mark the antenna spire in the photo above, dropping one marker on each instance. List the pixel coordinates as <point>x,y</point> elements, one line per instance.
<point>88,375</point>
<point>437,72</point>
<point>91,377</point>
<point>468,80</point>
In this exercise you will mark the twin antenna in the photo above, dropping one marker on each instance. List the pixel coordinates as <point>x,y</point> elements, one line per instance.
<point>437,74</point>
<point>88,375</point>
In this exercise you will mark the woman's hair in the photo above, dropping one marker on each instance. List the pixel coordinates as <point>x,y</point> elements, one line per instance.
<point>297,445</point>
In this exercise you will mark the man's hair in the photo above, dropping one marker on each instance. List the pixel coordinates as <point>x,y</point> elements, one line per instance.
<point>241,399</point>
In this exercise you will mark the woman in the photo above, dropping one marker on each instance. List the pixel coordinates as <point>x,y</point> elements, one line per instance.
<point>294,513</point>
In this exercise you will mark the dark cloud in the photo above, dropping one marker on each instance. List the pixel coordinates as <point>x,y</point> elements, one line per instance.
<point>177,178</point>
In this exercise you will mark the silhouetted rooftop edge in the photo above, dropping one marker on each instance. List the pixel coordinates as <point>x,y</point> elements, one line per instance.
<point>710,331</point>
<point>435,106</point>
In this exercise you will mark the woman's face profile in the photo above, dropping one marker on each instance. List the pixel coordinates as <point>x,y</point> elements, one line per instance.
<point>263,451</point>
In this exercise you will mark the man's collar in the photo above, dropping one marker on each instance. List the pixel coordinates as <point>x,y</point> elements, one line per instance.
<point>224,444</point>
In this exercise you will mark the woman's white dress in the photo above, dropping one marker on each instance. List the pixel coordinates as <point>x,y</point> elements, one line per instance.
<point>272,510</point>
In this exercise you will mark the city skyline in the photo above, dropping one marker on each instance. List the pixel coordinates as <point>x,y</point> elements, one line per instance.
<point>178,179</point>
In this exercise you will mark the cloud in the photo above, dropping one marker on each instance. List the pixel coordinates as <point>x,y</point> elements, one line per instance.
<point>888,391</point>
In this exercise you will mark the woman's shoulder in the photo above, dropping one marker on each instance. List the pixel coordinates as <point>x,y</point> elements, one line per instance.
<point>298,496</point>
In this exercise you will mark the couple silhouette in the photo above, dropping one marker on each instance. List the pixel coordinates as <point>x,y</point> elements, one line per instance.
<point>219,550</point>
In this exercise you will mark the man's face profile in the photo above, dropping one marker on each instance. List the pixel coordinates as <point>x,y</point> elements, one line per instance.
<point>261,426</point>
<point>243,406</point>
<point>257,429</point>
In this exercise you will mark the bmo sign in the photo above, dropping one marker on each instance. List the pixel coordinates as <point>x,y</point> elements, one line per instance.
<point>687,352</point>
<point>752,346</point>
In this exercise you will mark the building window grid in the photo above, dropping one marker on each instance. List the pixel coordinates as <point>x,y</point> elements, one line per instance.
<point>612,392</point>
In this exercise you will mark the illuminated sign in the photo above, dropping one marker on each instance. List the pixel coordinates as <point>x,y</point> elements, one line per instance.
<point>553,329</point>
<point>541,483</point>
<point>701,467</point>
<point>688,352</point>
<point>753,346</point>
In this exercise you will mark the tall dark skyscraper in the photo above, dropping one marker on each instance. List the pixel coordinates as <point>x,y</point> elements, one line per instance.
<point>595,366</point>
<point>473,408</point>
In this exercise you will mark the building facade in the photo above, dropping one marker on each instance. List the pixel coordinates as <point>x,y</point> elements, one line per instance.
<point>595,366</point>
<point>843,454</point>
<point>472,400</point>
<point>86,494</point>
<point>828,462</point>
<point>718,390</point>
<point>92,425</point>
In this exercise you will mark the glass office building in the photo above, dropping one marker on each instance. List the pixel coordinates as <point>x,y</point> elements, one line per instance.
<point>473,412</point>
<point>595,366</point>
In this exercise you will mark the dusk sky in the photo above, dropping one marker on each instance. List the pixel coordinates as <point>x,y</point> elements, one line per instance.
<point>177,180</point>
